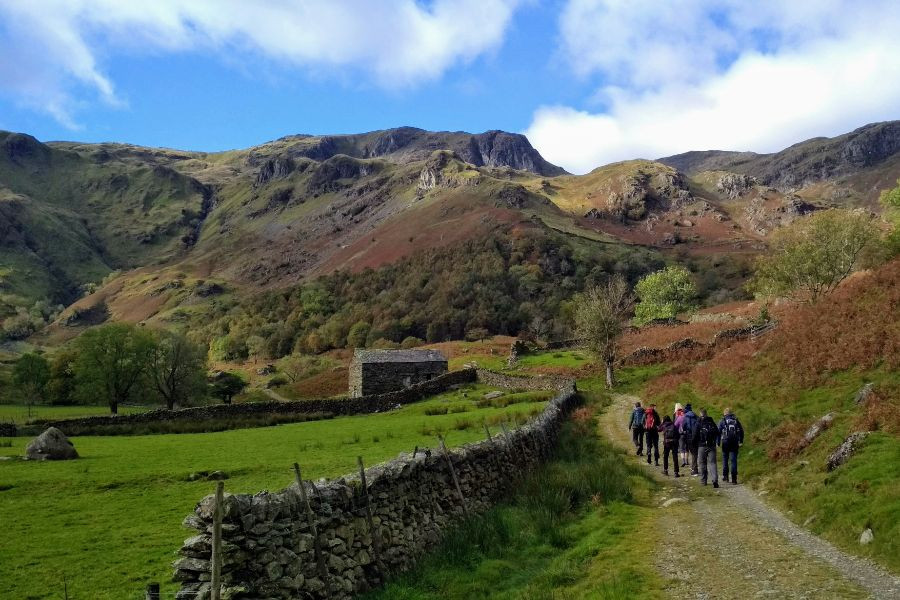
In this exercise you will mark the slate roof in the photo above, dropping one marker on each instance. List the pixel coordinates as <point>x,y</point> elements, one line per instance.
<point>397,356</point>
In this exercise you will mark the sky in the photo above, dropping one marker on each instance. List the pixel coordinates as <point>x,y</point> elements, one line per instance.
<point>588,81</point>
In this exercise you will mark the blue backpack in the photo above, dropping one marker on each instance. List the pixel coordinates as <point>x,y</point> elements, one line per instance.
<point>689,425</point>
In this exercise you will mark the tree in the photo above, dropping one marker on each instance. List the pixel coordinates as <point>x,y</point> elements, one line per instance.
<point>811,257</point>
<point>61,388</point>
<point>177,368</point>
<point>358,334</point>
<point>477,334</point>
<point>890,200</point>
<point>30,376</point>
<point>665,293</point>
<point>226,385</point>
<point>111,360</point>
<point>600,319</point>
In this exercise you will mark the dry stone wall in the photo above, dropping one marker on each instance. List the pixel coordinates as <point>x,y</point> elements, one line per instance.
<point>689,349</point>
<point>268,540</point>
<point>335,406</point>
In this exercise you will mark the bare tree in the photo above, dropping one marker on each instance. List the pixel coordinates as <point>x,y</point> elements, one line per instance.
<point>600,320</point>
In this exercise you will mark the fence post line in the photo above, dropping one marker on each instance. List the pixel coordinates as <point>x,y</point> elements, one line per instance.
<point>311,519</point>
<point>446,454</point>
<point>216,576</point>
<point>376,533</point>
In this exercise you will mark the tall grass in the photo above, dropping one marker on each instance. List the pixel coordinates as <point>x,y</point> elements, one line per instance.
<point>540,521</point>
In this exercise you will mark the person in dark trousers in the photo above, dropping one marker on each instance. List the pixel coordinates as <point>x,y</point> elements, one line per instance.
<point>671,440</point>
<point>651,430</point>
<point>636,425</point>
<point>706,438</point>
<point>731,434</point>
<point>687,427</point>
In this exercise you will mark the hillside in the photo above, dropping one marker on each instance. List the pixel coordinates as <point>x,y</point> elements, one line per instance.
<point>837,358</point>
<point>193,233</point>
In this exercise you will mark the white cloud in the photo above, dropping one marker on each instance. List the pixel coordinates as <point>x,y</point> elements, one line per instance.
<point>53,47</point>
<point>692,75</point>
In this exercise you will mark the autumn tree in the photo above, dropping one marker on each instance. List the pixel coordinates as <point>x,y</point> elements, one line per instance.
<point>177,368</point>
<point>112,360</point>
<point>600,319</point>
<point>811,257</point>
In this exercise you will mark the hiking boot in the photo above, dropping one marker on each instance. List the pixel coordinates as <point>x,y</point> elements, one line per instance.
<point>677,475</point>
<point>695,473</point>
<point>640,453</point>
<point>703,482</point>
<point>666,472</point>
<point>715,484</point>
<point>657,462</point>
<point>725,476</point>
<point>734,480</point>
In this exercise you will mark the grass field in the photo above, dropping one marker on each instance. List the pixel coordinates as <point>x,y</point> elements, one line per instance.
<point>18,413</point>
<point>110,521</point>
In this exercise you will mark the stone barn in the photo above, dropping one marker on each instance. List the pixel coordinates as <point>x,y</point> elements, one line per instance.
<point>380,371</point>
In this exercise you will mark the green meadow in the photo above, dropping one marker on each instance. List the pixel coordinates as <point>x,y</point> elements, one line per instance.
<point>110,522</point>
<point>19,413</point>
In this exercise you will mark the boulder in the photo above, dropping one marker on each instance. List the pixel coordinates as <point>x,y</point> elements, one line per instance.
<point>863,394</point>
<point>847,448</point>
<point>866,537</point>
<point>672,501</point>
<point>492,395</point>
<point>51,445</point>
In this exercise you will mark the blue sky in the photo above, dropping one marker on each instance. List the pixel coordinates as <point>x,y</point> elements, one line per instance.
<point>590,81</point>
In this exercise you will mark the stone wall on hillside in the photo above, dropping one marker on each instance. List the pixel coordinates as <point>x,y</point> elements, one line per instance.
<point>689,349</point>
<point>269,546</point>
<point>335,406</point>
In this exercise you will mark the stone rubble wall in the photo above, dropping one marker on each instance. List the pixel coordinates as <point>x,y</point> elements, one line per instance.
<point>335,406</point>
<point>690,349</point>
<point>269,549</point>
<point>8,430</point>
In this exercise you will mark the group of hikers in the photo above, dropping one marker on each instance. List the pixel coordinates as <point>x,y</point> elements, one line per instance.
<point>688,436</point>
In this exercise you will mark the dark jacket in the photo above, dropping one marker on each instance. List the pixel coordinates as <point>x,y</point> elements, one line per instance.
<point>637,419</point>
<point>712,440</point>
<point>669,434</point>
<point>733,439</point>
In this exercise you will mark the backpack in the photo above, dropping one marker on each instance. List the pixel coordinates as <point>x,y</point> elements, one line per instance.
<point>637,416</point>
<point>649,420</point>
<point>688,425</point>
<point>670,434</point>
<point>730,430</point>
<point>707,434</point>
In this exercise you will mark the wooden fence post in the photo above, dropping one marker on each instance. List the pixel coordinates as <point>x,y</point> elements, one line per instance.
<point>152,592</point>
<point>487,431</point>
<point>453,475</point>
<point>376,533</point>
<point>216,558</point>
<point>311,519</point>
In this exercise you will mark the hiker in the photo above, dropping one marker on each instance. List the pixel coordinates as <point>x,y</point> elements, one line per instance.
<point>636,425</point>
<point>731,433</point>
<point>671,438</point>
<point>651,430</point>
<point>687,427</point>
<point>677,418</point>
<point>706,438</point>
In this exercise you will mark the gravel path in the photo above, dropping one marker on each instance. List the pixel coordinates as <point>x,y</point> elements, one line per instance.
<point>727,543</point>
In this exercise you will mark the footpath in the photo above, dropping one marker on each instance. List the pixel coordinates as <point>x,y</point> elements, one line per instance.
<point>727,544</point>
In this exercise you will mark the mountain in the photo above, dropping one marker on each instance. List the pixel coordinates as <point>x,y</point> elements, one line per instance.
<point>865,159</point>
<point>168,235</point>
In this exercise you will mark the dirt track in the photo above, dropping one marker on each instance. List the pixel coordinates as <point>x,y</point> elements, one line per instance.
<point>728,544</point>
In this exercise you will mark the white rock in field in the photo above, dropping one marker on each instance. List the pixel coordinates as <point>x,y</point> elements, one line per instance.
<point>866,537</point>
<point>672,501</point>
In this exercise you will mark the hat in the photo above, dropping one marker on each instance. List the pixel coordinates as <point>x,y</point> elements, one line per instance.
<point>687,406</point>
<point>678,406</point>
